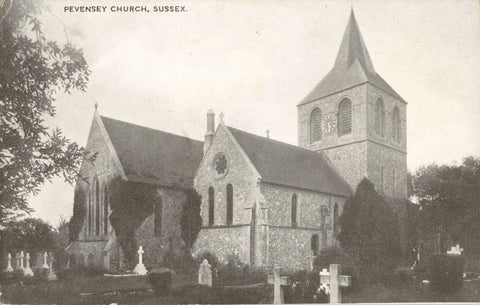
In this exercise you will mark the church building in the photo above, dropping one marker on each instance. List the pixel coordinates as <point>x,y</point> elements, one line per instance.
<point>263,201</point>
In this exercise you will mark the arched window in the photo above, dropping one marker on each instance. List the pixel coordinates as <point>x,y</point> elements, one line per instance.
<point>344,117</point>
<point>90,211</point>
<point>393,183</point>
<point>315,125</point>
<point>294,210</point>
<point>380,118</point>
<point>229,204</point>
<point>105,210</point>
<point>211,206</point>
<point>157,227</point>
<point>97,208</point>
<point>396,125</point>
<point>335,219</point>
<point>315,244</point>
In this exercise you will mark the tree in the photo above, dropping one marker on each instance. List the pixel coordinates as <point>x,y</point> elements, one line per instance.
<point>449,203</point>
<point>32,70</point>
<point>369,232</point>
<point>29,234</point>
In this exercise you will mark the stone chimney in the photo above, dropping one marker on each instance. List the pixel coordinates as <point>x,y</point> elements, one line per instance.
<point>210,130</point>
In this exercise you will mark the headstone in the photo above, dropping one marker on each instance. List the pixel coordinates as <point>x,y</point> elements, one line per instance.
<point>455,250</point>
<point>335,281</point>
<point>28,271</point>
<point>140,267</point>
<point>279,282</point>
<point>45,264</point>
<point>205,274</point>
<point>9,263</point>
<point>51,275</point>
<point>22,256</point>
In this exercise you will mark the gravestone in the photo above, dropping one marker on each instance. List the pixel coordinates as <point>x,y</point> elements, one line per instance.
<point>20,265</point>
<point>51,275</point>
<point>9,263</point>
<point>335,281</point>
<point>28,271</point>
<point>140,267</point>
<point>279,282</point>
<point>45,256</point>
<point>205,274</point>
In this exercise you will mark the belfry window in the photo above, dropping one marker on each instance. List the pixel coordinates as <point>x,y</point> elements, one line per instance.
<point>211,206</point>
<point>380,118</point>
<point>294,210</point>
<point>229,204</point>
<point>344,117</point>
<point>316,125</point>
<point>396,125</point>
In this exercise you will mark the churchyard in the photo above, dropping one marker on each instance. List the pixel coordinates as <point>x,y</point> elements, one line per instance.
<point>202,282</point>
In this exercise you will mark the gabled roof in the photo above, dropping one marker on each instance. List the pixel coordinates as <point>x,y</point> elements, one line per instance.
<point>289,165</point>
<point>353,67</point>
<point>153,156</point>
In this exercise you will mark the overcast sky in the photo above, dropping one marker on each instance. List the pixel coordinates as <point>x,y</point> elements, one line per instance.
<point>255,61</point>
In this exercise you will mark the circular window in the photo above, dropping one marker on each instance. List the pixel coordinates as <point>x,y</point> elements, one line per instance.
<point>220,164</point>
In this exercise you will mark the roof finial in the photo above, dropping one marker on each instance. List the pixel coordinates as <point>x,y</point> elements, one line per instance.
<point>268,133</point>
<point>96,105</point>
<point>221,115</point>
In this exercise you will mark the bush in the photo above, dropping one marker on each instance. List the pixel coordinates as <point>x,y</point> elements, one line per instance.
<point>210,257</point>
<point>161,281</point>
<point>305,288</point>
<point>446,273</point>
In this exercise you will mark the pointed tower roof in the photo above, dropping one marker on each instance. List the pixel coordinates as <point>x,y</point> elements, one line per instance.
<point>352,67</point>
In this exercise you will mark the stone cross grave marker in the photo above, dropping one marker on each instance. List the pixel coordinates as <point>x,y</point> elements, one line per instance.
<point>335,280</point>
<point>455,250</point>
<point>45,256</point>
<point>9,263</point>
<point>28,271</point>
<point>279,282</point>
<point>140,267</point>
<point>21,260</point>
<point>205,274</point>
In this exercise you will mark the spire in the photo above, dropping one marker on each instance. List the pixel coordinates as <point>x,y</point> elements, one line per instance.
<point>353,48</point>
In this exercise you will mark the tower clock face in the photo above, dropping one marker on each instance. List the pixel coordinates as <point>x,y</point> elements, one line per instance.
<point>329,123</point>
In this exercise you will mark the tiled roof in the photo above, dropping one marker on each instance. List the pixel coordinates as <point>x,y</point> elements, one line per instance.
<point>290,165</point>
<point>353,67</point>
<point>153,156</point>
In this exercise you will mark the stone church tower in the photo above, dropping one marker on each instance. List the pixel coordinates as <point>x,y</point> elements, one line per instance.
<point>357,120</point>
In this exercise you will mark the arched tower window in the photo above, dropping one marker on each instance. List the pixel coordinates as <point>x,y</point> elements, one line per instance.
<point>211,206</point>
<point>97,208</point>
<point>316,125</point>
<point>229,204</point>
<point>105,210</point>
<point>396,125</point>
<point>294,210</point>
<point>344,117</point>
<point>380,118</point>
<point>157,226</point>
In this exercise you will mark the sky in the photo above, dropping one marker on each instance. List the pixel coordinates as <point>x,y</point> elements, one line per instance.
<point>255,61</point>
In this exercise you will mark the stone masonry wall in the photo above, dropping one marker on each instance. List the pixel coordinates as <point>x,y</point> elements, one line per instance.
<point>156,247</point>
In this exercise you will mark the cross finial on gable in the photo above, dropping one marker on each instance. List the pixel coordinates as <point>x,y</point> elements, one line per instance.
<point>221,115</point>
<point>96,106</point>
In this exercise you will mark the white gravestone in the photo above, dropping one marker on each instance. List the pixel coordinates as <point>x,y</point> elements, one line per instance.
<point>279,282</point>
<point>335,281</point>
<point>455,250</point>
<point>9,263</point>
<point>140,267</point>
<point>28,271</point>
<point>51,275</point>
<point>205,274</point>
<point>45,265</point>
